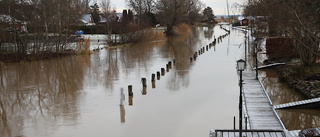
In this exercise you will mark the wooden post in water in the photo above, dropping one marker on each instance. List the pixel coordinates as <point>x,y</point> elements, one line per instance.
<point>121,97</point>
<point>167,67</point>
<point>130,100</point>
<point>122,114</point>
<point>153,84</point>
<point>144,82</point>
<point>130,93</point>
<point>158,75</point>
<point>162,71</point>
<point>153,77</point>
<point>144,91</point>
<point>170,65</point>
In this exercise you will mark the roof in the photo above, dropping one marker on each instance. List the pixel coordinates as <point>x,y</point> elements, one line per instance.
<point>86,18</point>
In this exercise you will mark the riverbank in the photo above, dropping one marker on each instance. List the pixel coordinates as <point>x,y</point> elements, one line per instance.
<point>304,79</point>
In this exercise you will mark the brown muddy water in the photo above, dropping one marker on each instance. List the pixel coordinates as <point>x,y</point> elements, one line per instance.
<point>280,93</point>
<point>78,96</point>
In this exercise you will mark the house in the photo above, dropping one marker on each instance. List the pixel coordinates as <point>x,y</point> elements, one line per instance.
<point>244,22</point>
<point>87,20</point>
<point>6,23</point>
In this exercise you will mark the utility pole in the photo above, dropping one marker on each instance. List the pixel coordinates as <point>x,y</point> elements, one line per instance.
<point>228,11</point>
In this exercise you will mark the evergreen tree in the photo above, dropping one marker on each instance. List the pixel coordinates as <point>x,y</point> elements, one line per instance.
<point>95,13</point>
<point>208,14</point>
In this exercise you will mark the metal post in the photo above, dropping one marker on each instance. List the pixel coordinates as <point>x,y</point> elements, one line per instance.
<point>245,47</point>
<point>256,61</point>
<point>240,106</point>
<point>234,123</point>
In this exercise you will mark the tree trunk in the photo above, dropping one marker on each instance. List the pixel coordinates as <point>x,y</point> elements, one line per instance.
<point>169,29</point>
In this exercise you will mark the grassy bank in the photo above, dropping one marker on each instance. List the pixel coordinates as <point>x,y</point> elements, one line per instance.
<point>304,79</point>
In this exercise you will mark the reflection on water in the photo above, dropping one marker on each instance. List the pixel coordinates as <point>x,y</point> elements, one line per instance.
<point>208,32</point>
<point>32,93</point>
<point>79,95</point>
<point>122,114</point>
<point>280,93</point>
<point>297,119</point>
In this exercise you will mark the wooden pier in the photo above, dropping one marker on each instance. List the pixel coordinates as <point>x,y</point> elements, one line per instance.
<point>258,106</point>
<point>270,65</point>
<point>248,133</point>
<point>262,119</point>
<point>309,103</point>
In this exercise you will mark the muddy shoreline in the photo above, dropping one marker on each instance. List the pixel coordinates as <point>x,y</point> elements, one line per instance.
<point>304,79</point>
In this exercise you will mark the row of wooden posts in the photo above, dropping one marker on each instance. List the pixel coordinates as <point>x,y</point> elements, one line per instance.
<point>144,83</point>
<point>168,66</point>
<point>213,43</point>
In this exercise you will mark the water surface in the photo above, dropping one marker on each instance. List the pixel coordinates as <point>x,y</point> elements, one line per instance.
<point>78,96</point>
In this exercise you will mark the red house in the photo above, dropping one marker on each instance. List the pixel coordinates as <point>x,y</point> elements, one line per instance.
<point>244,22</point>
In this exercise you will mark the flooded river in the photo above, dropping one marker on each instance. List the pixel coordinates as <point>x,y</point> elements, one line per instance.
<point>280,93</point>
<point>78,96</point>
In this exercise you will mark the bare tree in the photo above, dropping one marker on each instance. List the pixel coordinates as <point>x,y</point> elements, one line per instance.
<point>295,18</point>
<point>48,24</point>
<point>174,12</point>
<point>109,17</point>
<point>141,7</point>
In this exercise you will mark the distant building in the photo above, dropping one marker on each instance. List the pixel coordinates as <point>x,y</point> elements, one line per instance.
<point>87,20</point>
<point>7,22</point>
<point>244,22</point>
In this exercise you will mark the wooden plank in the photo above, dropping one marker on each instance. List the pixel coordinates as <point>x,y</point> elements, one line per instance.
<point>318,130</point>
<point>225,134</point>
<point>255,134</point>
<point>273,134</point>
<point>236,134</point>
<point>270,65</point>
<point>218,134</point>
<point>260,134</point>
<point>267,134</point>
<point>249,134</point>
<point>231,134</point>
<point>280,134</point>
<point>292,133</point>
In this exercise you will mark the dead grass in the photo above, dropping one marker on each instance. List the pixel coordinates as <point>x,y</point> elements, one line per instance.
<point>83,47</point>
<point>153,35</point>
<point>182,30</point>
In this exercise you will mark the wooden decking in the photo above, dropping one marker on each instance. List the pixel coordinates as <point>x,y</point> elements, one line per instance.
<point>258,107</point>
<point>263,121</point>
<point>270,65</point>
<point>310,103</point>
<point>248,133</point>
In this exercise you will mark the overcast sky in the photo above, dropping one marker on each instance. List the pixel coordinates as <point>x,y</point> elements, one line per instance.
<point>219,6</point>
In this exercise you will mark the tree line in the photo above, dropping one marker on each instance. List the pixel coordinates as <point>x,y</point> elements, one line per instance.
<point>49,27</point>
<point>298,19</point>
<point>51,24</point>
